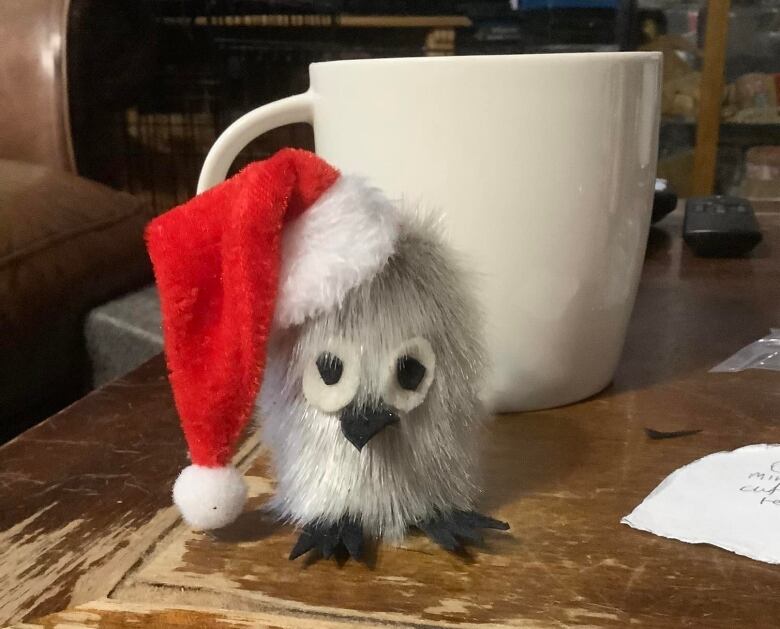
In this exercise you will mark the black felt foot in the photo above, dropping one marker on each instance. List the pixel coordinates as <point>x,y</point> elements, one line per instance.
<point>453,530</point>
<point>327,539</point>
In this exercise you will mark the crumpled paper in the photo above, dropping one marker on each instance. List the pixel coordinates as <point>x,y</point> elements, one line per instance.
<point>727,499</point>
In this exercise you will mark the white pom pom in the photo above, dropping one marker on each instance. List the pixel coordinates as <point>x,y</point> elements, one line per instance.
<point>209,497</point>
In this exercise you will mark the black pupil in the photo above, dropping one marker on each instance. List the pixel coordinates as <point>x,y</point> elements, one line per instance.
<point>330,368</point>
<point>410,372</point>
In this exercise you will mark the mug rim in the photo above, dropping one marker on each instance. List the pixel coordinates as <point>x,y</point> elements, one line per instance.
<point>552,57</point>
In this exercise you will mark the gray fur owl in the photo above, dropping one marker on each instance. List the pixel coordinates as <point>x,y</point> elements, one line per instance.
<point>349,325</point>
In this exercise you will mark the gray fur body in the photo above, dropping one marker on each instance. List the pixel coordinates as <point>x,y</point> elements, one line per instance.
<point>424,464</point>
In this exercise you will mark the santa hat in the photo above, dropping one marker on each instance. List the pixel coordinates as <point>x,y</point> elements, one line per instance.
<point>283,240</point>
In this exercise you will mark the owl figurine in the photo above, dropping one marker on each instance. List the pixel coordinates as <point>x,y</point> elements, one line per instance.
<point>347,327</point>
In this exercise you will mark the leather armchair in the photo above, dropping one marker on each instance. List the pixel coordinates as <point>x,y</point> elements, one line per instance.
<point>67,243</point>
<point>34,120</point>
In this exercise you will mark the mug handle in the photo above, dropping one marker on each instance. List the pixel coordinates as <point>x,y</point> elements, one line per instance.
<point>229,144</point>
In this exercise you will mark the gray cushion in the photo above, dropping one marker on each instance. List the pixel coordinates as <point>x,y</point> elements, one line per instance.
<point>122,334</point>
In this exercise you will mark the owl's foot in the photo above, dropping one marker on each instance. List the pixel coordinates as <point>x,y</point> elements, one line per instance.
<point>327,538</point>
<point>453,530</point>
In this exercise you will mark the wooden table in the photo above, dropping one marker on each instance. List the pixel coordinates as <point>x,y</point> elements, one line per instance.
<point>86,524</point>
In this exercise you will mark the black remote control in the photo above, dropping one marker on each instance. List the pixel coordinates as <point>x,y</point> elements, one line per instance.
<point>720,226</point>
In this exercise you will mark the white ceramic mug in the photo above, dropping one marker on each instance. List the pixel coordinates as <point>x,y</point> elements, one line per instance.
<point>543,166</point>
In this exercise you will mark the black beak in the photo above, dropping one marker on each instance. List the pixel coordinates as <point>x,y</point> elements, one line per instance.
<point>361,424</point>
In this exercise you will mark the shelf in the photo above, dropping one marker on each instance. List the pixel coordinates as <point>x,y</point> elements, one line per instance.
<point>735,133</point>
<point>320,21</point>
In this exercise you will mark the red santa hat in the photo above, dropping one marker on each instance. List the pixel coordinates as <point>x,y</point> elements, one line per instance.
<point>283,240</point>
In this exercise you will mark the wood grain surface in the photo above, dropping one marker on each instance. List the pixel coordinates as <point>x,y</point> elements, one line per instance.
<point>107,614</point>
<point>83,495</point>
<point>562,479</point>
<point>84,502</point>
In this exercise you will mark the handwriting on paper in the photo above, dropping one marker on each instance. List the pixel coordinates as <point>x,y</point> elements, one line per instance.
<point>696,503</point>
<point>765,485</point>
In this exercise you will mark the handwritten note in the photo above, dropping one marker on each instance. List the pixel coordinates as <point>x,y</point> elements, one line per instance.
<point>766,484</point>
<point>727,499</point>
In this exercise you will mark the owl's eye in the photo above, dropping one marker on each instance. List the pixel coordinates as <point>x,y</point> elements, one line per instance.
<point>331,376</point>
<point>330,367</point>
<point>410,372</point>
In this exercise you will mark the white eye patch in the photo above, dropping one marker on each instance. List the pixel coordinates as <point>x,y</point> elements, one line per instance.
<point>331,377</point>
<point>409,374</point>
